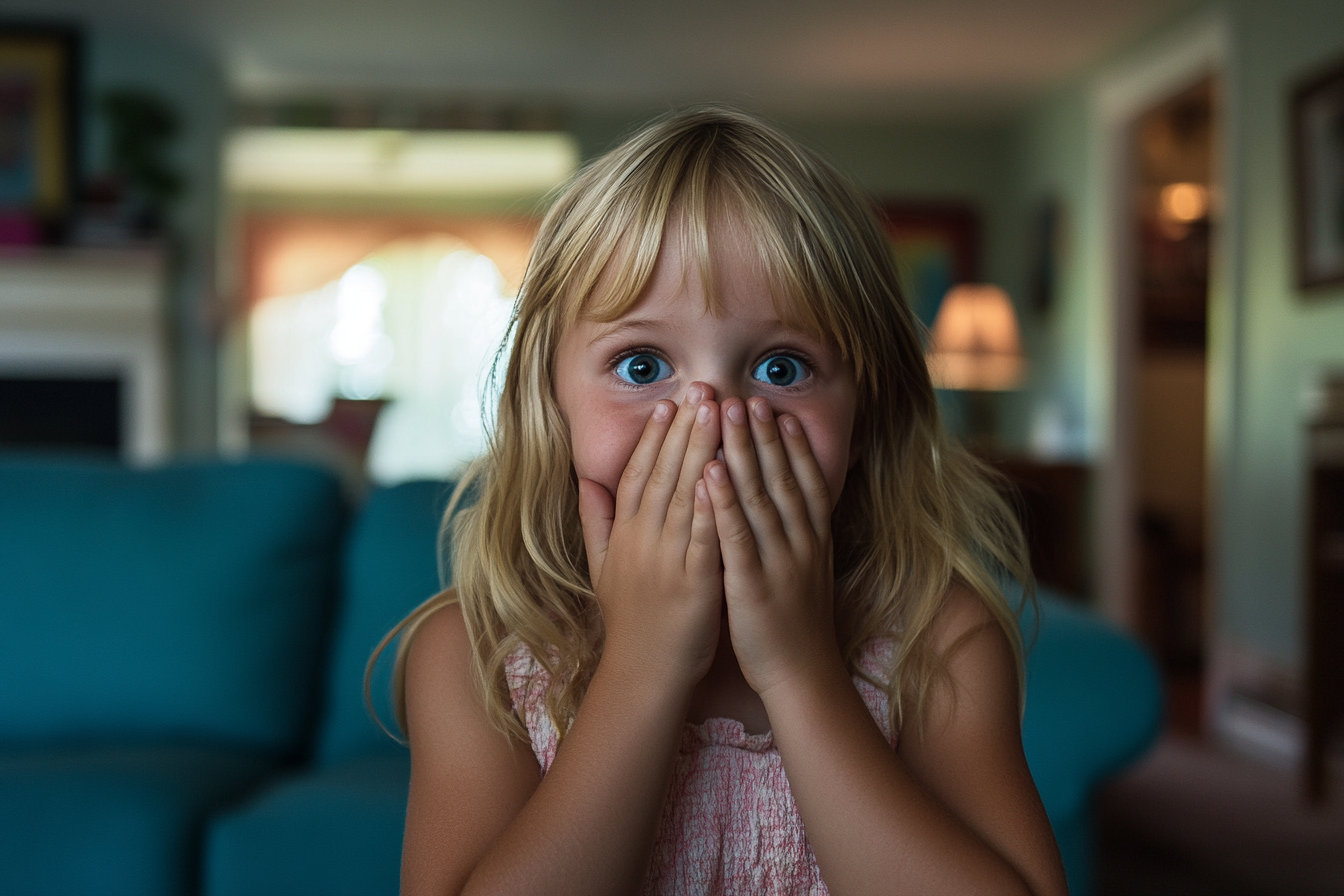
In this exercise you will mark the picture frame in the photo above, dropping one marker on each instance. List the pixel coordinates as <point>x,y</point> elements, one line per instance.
<point>39,129</point>
<point>936,244</point>
<point>1318,175</point>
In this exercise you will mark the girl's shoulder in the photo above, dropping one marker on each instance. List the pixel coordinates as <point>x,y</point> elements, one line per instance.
<point>436,627</point>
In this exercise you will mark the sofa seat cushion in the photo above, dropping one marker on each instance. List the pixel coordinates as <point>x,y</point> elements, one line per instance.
<point>331,832</point>
<point>110,821</point>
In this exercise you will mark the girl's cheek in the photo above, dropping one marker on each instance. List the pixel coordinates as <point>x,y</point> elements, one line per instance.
<point>605,440</point>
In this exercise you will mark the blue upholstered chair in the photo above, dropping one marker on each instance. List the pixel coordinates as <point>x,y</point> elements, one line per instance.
<point>1094,705</point>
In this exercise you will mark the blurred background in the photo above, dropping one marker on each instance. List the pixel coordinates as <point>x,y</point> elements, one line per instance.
<point>295,228</point>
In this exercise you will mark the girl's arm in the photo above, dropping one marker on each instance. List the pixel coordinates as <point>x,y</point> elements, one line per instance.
<point>954,810</point>
<point>480,819</point>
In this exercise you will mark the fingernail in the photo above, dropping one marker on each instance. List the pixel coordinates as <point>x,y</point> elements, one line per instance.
<point>791,426</point>
<point>695,394</point>
<point>661,411</point>
<point>761,408</point>
<point>737,413</point>
<point>702,415</point>
<point>717,472</point>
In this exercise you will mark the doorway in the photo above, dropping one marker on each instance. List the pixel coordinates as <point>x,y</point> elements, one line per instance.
<point>1174,204</point>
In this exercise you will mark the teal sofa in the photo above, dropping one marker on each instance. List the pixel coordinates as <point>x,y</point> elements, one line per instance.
<point>182,651</point>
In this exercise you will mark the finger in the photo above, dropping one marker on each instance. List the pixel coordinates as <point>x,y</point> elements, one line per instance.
<point>702,554</point>
<point>666,474</point>
<point>777,471</point>
<point>704,443</point>
<point>737,543</point>
<point>630,490</point>
<point>596,513</point>
<point>739,453</point>
<point>811,480</point>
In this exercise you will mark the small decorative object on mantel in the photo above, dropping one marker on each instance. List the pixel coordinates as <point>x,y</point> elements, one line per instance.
<point>39,96</point>
<point>129,203</point>
<point>1318,167</point>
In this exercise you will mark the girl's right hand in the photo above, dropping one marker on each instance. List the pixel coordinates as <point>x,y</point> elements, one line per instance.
<point>653,551</point>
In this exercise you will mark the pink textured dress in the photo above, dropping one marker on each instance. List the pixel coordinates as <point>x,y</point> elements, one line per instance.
<point>730,825</point>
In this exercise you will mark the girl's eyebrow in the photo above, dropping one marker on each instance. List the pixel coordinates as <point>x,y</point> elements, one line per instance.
<point>617,328</point>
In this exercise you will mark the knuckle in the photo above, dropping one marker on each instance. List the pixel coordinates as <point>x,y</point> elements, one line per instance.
<point>661,472</point>
<point>785,483</point>
<point>681,499</point>
<point>634,472</point>
<point>756,497</point>
<point>740,536</point>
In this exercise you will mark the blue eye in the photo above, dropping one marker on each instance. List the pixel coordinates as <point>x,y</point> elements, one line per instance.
<point>779,370</point>
<point>643,369</point>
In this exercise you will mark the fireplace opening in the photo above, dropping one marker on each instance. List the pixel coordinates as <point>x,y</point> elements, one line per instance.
<point>61,414</point>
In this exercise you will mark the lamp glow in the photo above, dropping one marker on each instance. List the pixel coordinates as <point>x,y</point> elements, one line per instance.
<point>975,343</point>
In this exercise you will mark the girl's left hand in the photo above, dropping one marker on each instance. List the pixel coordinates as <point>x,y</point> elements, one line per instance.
<point>772,509</point>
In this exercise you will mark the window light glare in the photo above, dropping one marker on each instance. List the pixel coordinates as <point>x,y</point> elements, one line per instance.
<point>358,332</point>
<point>392,162</point>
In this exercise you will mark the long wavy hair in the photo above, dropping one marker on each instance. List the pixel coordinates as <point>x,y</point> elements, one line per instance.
<point>917,513</point>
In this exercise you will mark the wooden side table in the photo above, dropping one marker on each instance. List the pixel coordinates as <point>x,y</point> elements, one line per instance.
<point>1051,501</point>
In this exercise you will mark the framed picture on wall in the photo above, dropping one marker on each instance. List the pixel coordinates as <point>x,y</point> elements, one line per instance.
<point>39,92</point>
<point>937,245</point>
<point>1318,168</point>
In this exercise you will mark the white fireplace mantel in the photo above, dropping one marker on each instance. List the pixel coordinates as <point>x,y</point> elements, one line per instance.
<point>92,312</point>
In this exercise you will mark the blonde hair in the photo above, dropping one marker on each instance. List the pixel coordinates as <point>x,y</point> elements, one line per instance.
<point>917,513</point>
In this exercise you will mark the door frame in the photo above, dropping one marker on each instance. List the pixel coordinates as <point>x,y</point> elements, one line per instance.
<point>1119,98</point>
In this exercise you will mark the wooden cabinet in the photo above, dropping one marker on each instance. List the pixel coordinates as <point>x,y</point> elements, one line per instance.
<point>1325,592</point>
<point>1051,499</point>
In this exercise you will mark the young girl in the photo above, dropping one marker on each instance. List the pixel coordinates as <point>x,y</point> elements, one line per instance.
<point>727,614</point>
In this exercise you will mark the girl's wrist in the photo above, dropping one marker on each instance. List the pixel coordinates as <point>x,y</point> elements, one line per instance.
<point>809,692</point>
<point>647,677</point>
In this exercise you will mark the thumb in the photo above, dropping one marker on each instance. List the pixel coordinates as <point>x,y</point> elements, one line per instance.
<point>597,509</point>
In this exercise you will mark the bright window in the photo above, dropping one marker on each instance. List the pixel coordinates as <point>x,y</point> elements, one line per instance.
<point>417,323</point>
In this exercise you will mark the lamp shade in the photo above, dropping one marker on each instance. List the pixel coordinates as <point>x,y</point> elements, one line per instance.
<point>975,343</point>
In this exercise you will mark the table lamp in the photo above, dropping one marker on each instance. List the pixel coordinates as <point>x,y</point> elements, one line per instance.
<point>975,347</point>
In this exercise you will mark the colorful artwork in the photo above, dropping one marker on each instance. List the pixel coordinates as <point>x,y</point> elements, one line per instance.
<point>37,124</point>
<point>936,247</point>
<point>1318,131</point>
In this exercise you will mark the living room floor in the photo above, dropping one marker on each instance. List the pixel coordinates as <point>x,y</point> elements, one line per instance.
<point>1194,820</point>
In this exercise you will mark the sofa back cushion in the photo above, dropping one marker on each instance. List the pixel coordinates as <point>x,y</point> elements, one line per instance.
<point>186,602</point>
<point>391,567</point>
